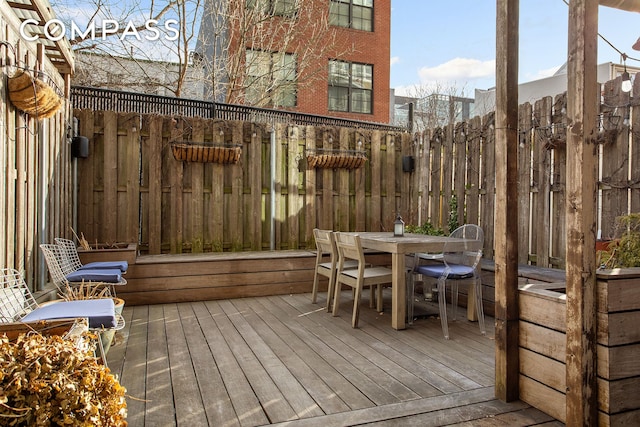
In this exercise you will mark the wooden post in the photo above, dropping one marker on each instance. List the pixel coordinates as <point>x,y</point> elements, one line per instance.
<point>506,220</point>
<point>582,103</point>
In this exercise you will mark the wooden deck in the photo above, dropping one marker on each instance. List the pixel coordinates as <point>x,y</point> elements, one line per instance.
<point>280,360</point>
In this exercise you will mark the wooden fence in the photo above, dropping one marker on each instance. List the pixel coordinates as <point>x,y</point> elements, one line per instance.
<point>132,188</point>
<point>35,179</point>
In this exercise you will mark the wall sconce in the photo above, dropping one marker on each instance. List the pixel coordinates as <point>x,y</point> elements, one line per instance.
<point>80,147</point>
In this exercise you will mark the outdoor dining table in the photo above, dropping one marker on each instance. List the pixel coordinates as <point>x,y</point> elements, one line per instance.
<point>399,247</point>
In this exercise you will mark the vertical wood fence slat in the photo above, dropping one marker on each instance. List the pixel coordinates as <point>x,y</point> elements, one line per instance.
<point>559,179</point>
<point>615,144</point>
<point>487,202</point>
<point>436,178</point>
<point>474,136</point>
<point>524,182</point>
<point>215,218</point>
<point>634,122</point>
<point>389,203</point>
<point>310,187</point>
<point>236,223</point>
<point>154,201</point>
<point>176,213</point>
<point>293,199</point>
<point>375,162</point>
<point>110,180</point>
<point>280,173</point>
<point>460,171</point>
<point>343,205</point>
<point>197,193</point>
<point>254,168</point>
<point>448,161</point>
<point>542,181</point>
<point>326,198</point>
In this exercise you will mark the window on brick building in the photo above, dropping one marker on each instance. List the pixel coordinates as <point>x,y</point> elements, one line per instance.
<point>271,79</point>
<point>287,8</point>
<point>356,14</point>
<point>350,87</point>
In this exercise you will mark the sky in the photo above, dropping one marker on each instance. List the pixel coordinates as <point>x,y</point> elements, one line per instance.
<point>451,43</point>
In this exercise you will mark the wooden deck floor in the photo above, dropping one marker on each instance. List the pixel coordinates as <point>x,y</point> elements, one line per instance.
<point>281,360</point>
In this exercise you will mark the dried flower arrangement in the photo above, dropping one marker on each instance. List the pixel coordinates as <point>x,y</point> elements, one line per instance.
<point>47,380</point>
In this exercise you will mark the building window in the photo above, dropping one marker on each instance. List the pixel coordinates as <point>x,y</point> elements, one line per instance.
<point>286,8</point>
<point>356,14</point>
<point>350,87</point>
<point>271,79</point>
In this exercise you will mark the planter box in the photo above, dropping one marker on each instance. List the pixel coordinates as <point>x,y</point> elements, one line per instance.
<point>123,252</point>
<point>543,347</point>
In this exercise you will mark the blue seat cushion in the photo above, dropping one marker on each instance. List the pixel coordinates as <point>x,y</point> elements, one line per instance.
<point>100,312</point>
<point>456,271</point>
<point>120,265</point>
<point>112,275</point>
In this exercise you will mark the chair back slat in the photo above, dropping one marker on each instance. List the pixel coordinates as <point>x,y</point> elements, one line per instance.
<point>16,301</point>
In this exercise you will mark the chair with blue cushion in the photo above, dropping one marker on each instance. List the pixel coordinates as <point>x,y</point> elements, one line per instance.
<point>63,274</point>
<point>460,261</point>
<point>71,252</point>
<point>17,304</point>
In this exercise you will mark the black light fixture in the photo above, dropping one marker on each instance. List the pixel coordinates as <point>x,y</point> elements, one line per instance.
<point>80,147</point>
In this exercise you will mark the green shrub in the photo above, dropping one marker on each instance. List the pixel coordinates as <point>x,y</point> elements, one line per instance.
<point>426,228</point>
<point>624,252</point>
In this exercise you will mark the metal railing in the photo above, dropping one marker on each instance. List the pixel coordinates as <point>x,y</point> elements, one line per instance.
<point>129,102</point>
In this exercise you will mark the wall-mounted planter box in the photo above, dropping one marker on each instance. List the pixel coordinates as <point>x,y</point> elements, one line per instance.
<point>543,347</point>
<point>206,153</point>
<point>117,252</point>
<point>335,159</point>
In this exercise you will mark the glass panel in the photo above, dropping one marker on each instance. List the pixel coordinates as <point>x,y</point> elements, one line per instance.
<point>338,98</point>
<point>367,3</point>
<point>285,7</point>
<point>339,14</point>
<point>362,76</point>
<point>338,73</point>
<point>361,101</point>
<point>362,18</point>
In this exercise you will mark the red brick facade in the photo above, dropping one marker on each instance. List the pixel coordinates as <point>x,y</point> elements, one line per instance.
<point>364,47</point>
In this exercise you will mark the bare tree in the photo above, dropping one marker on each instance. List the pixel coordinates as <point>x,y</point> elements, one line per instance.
<point>255,52</point>
<point>437,105</point>
<point>260,52</point>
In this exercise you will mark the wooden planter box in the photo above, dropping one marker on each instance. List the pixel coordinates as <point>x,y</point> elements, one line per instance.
<point>543,347</point>
<point>121,252</point>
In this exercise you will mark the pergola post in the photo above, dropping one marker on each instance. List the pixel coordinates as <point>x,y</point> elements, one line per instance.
<point>506,211</point>
<point>582,105</point>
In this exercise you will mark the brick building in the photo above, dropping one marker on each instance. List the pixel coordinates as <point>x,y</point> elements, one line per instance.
<point>340,70</point>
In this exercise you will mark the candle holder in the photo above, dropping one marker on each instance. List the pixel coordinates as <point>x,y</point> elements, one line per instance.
<point>398,227</point>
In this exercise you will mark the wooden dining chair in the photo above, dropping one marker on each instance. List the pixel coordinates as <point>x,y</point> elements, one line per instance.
<point>326,246</point>
<point>350,249</point>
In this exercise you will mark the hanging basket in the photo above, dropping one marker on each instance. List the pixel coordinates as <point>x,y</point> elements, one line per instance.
<point>332,159</point>
<point>206,153</point>
<point>33,96</point>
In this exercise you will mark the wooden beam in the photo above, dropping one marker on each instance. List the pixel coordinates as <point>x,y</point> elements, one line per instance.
<point>582,104</point>
<point>506,219</point>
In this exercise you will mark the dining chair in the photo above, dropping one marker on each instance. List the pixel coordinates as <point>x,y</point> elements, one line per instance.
<point>70,250</point>
<point>17,304</point>
<point>326,245</point>
<point>457,264</point>
<point>350,248</point>
<point>63,274</point>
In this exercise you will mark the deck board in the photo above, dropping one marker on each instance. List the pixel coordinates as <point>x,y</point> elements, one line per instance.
<point>280,360</point>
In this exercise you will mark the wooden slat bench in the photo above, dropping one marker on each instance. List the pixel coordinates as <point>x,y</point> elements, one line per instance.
<point>167,278</point>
